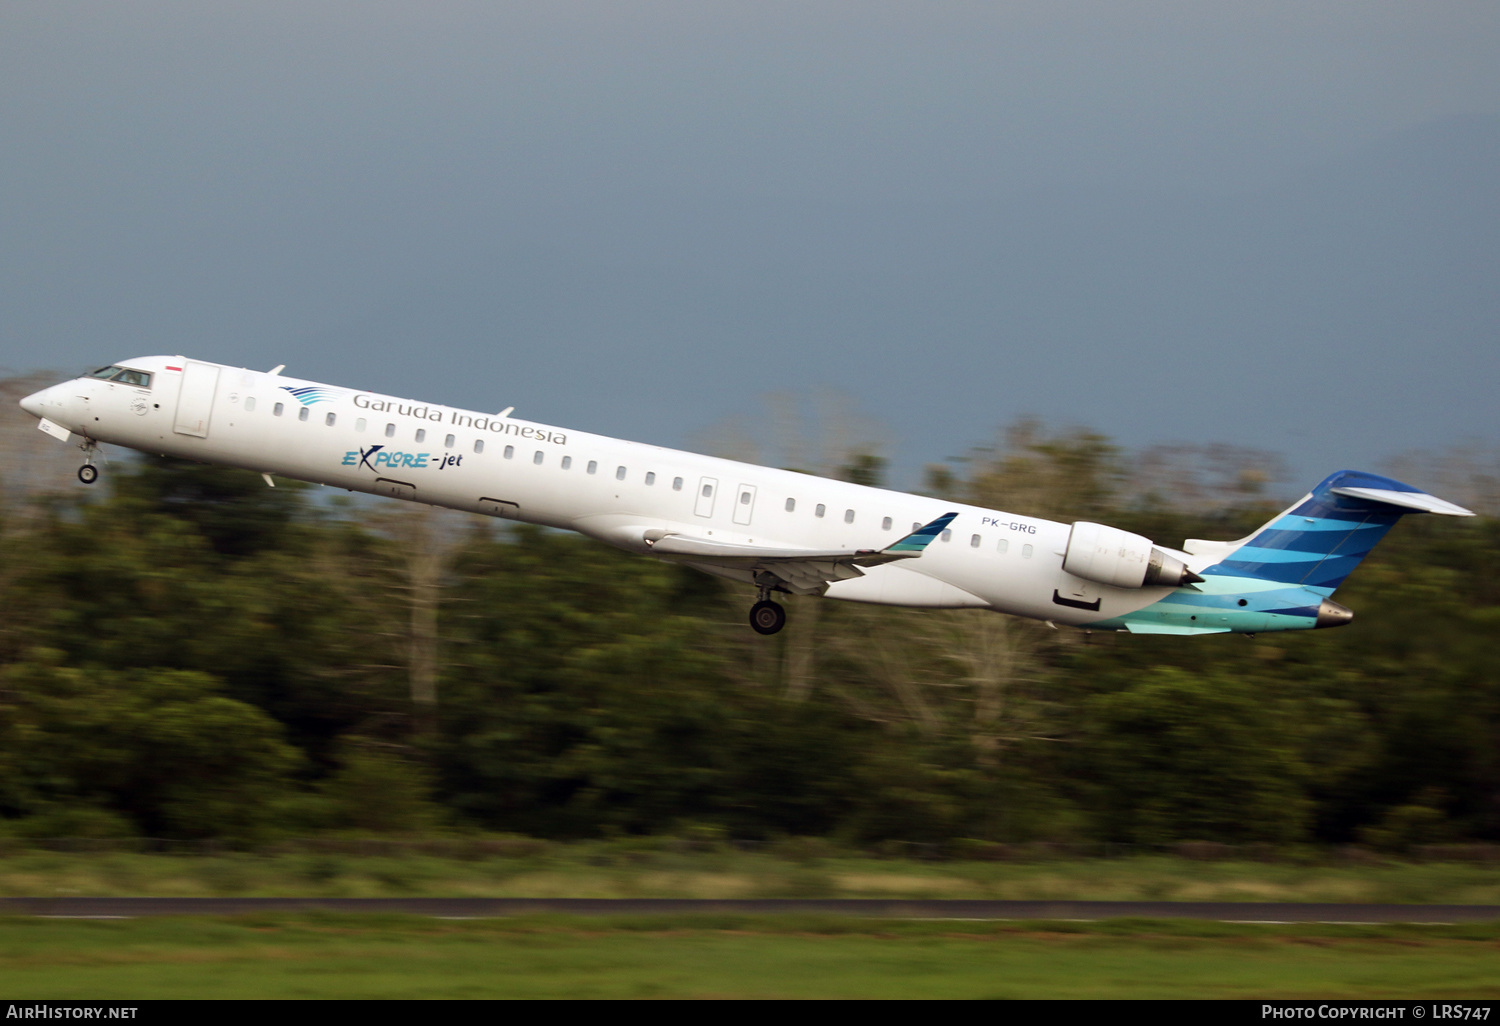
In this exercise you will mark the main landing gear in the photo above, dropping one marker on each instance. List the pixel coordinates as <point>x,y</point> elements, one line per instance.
<point>767,617</point>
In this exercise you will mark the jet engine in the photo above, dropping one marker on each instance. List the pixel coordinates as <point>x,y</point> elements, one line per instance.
<point>1120,559</point>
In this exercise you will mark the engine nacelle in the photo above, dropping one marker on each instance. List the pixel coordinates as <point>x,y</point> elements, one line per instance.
<point>1120,559</point>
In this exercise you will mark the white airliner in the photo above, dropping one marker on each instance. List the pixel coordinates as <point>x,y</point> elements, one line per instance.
<point>782,531</point>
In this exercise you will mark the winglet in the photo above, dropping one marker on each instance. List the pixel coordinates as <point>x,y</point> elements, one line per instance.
<point>922,536</point>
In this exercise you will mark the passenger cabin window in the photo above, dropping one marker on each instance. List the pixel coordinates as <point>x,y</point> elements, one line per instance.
<point>791,505</point>
<point>676,484</point>
<point>249,404</point>
<point>448,442</point>
<point>593,466</point>
<point>1026,551</point>
<point>651,477</point>
<point>277,410</point>
<point>421,434</point>
<point>537,457</point>
<point>947,535</point>
<point>390,430</point>
<point>359,424</point>
<point>973,541</point>
<point>303,413</point>
<point>330,419</point>
<point>619,473</point>
<point>885,524</point>
<point>1002,545</point>
<point>567,463</point>
<point>915,525</point>
<point>848,516</point>
<point>510,450</point>
<point>819,510</point>
<point>479,445</point>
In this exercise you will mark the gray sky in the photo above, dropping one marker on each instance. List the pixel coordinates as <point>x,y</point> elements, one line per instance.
<point>1272,224</point>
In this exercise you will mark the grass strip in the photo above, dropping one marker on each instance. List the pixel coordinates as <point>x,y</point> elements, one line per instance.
<point>577,872</point>
<point>324,954</point>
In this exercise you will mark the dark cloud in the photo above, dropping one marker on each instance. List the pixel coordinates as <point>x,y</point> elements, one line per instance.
<point>1269,225</point>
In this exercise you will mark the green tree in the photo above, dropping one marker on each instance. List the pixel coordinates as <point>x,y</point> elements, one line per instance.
<point>165,748</point>
<point>1182,756</point>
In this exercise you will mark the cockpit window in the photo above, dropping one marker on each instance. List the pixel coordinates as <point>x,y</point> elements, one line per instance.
<point>114,372</point>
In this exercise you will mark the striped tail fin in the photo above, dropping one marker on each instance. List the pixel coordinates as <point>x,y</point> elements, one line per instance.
<point>1319,541</point>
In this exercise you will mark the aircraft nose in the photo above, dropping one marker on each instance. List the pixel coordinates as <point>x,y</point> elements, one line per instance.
<point>36,403</point>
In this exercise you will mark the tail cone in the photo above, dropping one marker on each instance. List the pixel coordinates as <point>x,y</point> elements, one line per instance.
<point>1331,614</point>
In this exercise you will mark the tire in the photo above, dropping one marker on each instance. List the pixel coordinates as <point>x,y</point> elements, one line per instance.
<point>767,617</point>
<point>88,473</point>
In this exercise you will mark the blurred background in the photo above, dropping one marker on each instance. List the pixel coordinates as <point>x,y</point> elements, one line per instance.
<point>1161,265</point>
<point>187,654</point>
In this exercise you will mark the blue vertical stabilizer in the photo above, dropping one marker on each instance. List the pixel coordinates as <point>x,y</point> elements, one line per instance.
<point>1319,541</point>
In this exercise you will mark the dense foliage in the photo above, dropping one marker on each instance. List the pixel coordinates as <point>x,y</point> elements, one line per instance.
<point>187,653</point>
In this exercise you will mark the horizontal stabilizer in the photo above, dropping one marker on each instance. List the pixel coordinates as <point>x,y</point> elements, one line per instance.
<point>1420,502</point>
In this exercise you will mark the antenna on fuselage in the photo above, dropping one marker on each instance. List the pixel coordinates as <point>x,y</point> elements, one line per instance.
<point>277,369</point>
<point>506,412</point>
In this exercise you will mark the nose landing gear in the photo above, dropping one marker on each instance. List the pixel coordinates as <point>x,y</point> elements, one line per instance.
<point>88,473</point>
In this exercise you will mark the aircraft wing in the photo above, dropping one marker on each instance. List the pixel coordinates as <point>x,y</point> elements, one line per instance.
<point>801,571</point>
